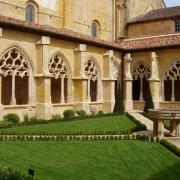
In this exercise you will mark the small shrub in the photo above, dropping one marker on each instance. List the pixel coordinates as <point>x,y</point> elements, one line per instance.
<point>11,117</point>
<point>100,113</point>
<point>81,113</point>
<point>9,174</point>
<point>26,117</point>
<point>69,114</point>
<point>56,117</point>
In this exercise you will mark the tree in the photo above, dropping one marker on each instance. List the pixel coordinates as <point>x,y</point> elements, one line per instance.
<point>119,107</point>
<point>148,98</point>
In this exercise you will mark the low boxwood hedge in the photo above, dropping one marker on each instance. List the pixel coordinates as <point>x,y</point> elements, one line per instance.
<point>170,146</point>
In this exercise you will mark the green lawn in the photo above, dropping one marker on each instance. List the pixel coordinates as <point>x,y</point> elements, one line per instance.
<point>114,123</point>
<point>92,160</point>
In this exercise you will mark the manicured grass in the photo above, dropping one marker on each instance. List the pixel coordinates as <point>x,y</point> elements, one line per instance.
<point>92,160</point>
<point>114,123</point>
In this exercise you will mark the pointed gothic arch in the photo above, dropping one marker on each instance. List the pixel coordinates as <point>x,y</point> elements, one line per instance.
<point>60,70</point>
<point>140,73</point>
<point>171,81</point>
<point>16,72</point>
<point>94,75</point>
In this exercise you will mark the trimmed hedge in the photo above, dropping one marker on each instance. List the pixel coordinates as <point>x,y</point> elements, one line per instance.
<point>69,114</point>
<point>11,117</point>
<point>81,113</point>
<point>170,146</point>
<point>72,138</point>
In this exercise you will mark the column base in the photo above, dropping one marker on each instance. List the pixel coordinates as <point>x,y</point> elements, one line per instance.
<point>177,128</point>
<point>83,106</point>
<point>108,106</point>
<point>128,105</point>
<point>158,128</point>
<point>44,111</point>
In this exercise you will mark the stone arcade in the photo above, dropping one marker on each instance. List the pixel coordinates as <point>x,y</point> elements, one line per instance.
<point>60,54</point>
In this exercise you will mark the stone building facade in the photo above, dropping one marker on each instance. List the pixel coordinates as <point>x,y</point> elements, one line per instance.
<point>71,54</point>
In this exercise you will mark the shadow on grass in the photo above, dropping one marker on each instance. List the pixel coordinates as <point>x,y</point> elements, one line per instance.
<point>171,173</point>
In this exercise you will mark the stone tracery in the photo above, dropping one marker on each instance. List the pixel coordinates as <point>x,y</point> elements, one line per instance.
<point>91,70</point>
<point>58,67</point>
<point>114,68</point>
<point>171,83</point>
<point>141,73</point>
<point>17,73</point>
<point>60,83</point>
<point>14,63</point>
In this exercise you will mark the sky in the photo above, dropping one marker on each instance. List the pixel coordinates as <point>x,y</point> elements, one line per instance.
<point>172,3</point>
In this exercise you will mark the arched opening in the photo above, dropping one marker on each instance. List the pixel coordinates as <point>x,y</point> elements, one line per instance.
<point>141,74</point>
<point>171,82</point>
<point>95,30</point>
<point>16,77</point>
<point>94,81</point>
<point>60,81</point>
<point>93,90</point>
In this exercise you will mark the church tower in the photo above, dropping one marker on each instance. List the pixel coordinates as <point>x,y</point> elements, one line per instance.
<point>128,9</point>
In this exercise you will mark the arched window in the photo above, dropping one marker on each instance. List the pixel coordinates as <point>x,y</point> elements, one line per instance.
<point>94,82</point>
<point>171,84</point>
<point>141,74</point>
<point>30,13</point>
<point>17,78</point>
<point>60,82</point>
<point>95,31</point>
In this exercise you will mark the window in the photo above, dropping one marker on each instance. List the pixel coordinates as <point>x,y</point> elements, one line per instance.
<point>30,13</point>
<point>177,26</point>
<point>141,74</point>
<point>171,84</point>
<point>60,81</point>
<point>95,29</point>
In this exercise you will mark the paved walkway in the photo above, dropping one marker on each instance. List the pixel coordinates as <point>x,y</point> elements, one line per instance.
<point>143,119</point>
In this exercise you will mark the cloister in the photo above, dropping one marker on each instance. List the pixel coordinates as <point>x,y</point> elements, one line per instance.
<point>18,81</point>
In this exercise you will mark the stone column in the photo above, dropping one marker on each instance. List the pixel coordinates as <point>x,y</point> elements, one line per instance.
<point>177,128</point>
<point>30,89</point>
<point>44,108</point>
<point>80,81</point>
<point>88,90</point>
<point>69,91</point>
<point>1,106</point>
<point>99,90</point>
<point>127,83</point>
<point>172,93</point>
<point>62,90</point>
<point>158,128</point>
<point>13,98</point>
<point>109,80</point>
<point>154,80</point>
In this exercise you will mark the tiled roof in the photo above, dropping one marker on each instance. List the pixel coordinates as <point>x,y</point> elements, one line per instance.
<point>157,14</point>
<point>128,45</point>
<point>154,42</point>
<point>65,34</point>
